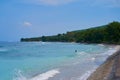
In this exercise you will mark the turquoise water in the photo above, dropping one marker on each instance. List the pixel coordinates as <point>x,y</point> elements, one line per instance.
<point>24,61</point>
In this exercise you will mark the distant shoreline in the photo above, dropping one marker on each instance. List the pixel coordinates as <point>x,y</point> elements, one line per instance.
<point>110,69</point>
<point>108,34</point>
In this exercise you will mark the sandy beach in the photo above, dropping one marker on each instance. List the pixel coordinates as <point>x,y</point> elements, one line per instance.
<point>110,69</point>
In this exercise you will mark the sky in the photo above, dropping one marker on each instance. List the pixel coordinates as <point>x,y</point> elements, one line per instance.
<point>34,18</point>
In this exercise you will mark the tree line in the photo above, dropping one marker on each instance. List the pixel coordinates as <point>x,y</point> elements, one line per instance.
<point>109,34</point>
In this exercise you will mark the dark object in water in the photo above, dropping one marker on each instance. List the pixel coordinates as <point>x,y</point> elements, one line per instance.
<point>75,50</point>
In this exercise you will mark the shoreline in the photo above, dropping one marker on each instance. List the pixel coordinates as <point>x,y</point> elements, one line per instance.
<point>88,73</point>
<point>74,71</point>
<point>110,69</point>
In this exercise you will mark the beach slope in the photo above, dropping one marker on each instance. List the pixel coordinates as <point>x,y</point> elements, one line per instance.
<point>109,70</point>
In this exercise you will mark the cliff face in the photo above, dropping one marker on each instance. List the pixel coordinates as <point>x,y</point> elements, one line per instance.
<point>109,70</point>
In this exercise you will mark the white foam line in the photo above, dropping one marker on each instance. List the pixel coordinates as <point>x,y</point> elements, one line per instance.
<point>19,76</point>
<point>46,75</point>
<point>110,51</point>
<point>81,53</point>
<point>101,44</point>
<point>86,75</point>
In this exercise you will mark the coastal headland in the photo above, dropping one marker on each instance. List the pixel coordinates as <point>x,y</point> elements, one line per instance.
<point>106,34</point>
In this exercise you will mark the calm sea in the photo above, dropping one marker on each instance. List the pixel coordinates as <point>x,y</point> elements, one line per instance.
<point>50,60</point>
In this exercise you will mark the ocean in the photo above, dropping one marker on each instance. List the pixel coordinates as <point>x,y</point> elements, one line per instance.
<point>50,60</point>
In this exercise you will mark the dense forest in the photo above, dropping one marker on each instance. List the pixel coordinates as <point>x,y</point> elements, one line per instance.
<point>109,34</point>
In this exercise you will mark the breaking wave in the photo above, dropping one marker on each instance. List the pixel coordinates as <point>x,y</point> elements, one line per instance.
<point>43,76</point>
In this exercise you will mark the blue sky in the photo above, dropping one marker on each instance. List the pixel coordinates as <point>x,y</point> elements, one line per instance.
<point>33,18</point>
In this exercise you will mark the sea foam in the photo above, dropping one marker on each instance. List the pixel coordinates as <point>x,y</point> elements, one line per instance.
<point>101,44</point>
<point>81,53</point>
<point>86,75</point>
<point>110,51</point>
<point>43,76</point>
<point>46,75</point>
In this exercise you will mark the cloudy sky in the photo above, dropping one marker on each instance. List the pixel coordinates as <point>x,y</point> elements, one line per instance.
<point>32,18</point>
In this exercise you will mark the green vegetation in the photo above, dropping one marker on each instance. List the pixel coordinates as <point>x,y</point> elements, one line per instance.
<point>109,33</point>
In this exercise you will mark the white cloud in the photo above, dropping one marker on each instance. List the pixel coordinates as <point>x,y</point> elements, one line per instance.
<point>27,23</point>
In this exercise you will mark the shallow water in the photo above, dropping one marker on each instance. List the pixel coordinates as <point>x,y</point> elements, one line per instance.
<point>50,61</point>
